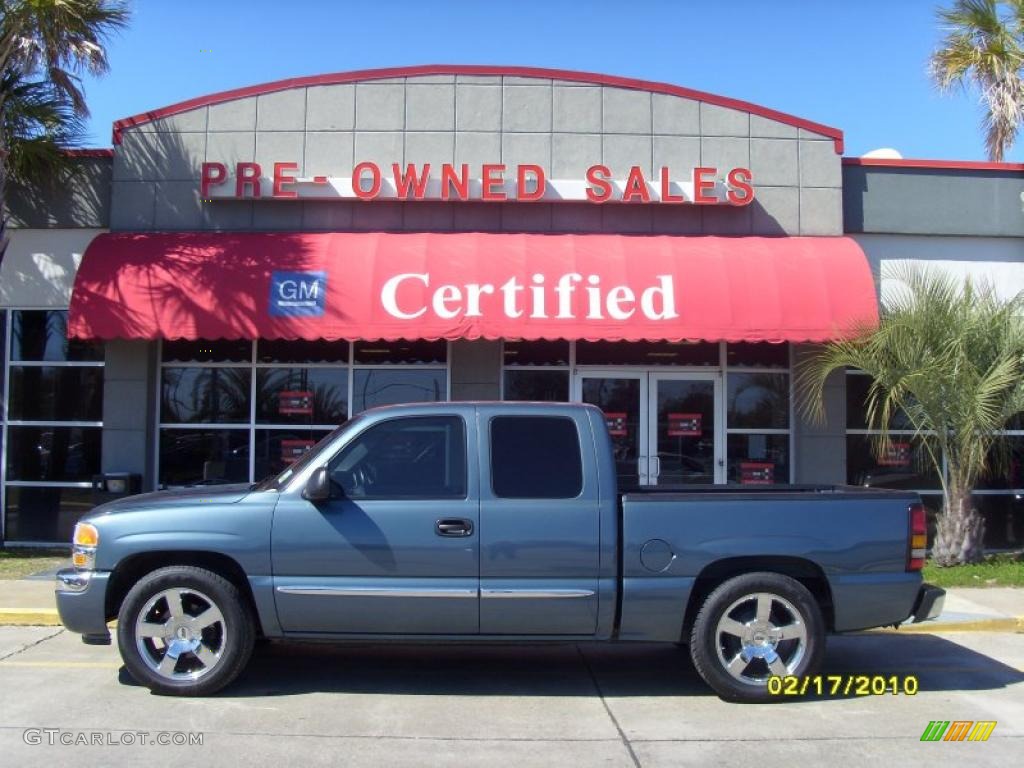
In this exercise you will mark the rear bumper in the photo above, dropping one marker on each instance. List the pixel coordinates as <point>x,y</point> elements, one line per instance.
<point>928,605</point>
<point>81,603</point>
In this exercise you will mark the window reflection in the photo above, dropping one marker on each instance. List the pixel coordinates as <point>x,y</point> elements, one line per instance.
<point>205,395</point>
<point>758,400</point>
<point>193,456</point>
<point>301,395</point>
<point>373,387</point>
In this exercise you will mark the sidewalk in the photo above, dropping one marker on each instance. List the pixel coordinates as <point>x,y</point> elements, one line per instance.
<point>993,609</point>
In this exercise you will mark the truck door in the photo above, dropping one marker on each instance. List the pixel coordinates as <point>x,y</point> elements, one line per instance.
<point>396,550</point>
<point>539,523</point>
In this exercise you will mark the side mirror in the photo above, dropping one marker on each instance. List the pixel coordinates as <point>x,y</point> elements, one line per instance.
<point>318,487</point>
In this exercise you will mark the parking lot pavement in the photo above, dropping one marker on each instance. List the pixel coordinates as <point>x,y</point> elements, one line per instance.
<point>506,705</point>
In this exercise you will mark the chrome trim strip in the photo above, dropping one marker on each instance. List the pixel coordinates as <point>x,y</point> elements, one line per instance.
<point>380,591</point>
<point>534,594</point>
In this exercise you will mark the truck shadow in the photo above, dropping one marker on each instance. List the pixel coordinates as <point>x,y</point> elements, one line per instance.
<point>616,670</point>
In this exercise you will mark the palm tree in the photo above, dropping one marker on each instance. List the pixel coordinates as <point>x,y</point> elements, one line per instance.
<point>948,358</point>
<point>45,47</point>
<point>984,44</point>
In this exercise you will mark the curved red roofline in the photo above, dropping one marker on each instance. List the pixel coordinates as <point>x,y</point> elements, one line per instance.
<point>472,69</point>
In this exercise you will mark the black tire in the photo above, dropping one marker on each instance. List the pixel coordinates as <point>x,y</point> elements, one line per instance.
<point>206,654</point>
<point>728,629</point>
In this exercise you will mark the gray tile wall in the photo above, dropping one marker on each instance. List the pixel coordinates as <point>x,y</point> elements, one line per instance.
<point>82,201</point>
<point>561,125</point>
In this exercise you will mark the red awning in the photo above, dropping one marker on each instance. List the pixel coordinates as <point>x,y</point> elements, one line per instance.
<point>350,285</point>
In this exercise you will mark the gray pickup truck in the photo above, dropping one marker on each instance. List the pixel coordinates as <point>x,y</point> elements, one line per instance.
<point>490,522</point>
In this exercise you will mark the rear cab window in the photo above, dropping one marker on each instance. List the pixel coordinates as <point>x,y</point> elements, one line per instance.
<point>535,457</point>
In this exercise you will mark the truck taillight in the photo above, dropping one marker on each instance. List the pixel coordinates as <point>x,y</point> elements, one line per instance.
<point>918,538</point>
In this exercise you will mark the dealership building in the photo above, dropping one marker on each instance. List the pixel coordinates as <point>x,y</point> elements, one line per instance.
<point>244,271</point>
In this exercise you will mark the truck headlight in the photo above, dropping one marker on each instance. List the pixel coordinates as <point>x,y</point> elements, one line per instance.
<point>84,542</point>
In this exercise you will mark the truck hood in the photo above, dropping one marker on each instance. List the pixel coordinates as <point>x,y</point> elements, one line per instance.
<point>181,497</point>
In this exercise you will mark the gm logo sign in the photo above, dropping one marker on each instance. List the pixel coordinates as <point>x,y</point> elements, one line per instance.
<point>297,294</point>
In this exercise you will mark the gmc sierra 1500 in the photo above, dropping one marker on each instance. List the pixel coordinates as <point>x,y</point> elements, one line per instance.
<point>490,522</point>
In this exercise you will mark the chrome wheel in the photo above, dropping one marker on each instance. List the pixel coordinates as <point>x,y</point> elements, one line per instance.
<point>760,635</point>
<point>180,634</point>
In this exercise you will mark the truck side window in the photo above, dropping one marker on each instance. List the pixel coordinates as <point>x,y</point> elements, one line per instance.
<point>416,457</point>
<point>535,457</point>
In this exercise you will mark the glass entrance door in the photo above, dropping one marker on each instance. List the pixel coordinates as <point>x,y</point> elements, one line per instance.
<point>665,427</point>
<point>684,440</point>
<point>622,395</point>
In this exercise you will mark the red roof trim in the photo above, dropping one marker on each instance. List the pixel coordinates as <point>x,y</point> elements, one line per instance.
<point>465,69</point>
<point>94,152</point>
<point>962,165</point>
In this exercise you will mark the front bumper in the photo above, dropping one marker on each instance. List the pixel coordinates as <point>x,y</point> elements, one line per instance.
<point>81,603</point>
<point>928,605</point>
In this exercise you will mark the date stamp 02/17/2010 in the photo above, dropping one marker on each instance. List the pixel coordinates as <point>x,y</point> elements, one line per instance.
<point>842,685</point>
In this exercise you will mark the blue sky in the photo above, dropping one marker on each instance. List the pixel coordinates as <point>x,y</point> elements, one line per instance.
<point>859,66</point>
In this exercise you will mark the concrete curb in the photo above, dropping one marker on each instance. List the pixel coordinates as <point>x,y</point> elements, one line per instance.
<point>29,617</point>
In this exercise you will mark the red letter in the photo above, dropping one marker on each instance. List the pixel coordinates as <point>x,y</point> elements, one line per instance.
<point>700,185</point>
<point>247,175</point>
<point>459,183</point>
<point>409,179</point>
<point>211,174</point>
<point>492,184</point>
<point>538,175</point>
<point>667,195</point>
<point>740,178</point>
<point>636,186</point>
<point>357,178</point>
<point>280,179</point>
<point>600,189</point>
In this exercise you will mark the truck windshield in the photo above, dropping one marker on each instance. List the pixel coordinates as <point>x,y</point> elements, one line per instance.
<point>275,482</point>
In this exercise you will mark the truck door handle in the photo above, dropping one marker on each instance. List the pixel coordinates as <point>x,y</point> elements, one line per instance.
<point>454,526</point>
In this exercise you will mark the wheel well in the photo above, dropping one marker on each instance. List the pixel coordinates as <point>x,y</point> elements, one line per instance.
<point>806,572</point>
<point>129,571</point>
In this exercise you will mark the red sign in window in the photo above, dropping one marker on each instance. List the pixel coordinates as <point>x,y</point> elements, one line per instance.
<point>292,450</point>
<point>895,455</point>
<point>616,424</point>
<point>684,425</point>
<point>295,402</point>
<point>757,472</point>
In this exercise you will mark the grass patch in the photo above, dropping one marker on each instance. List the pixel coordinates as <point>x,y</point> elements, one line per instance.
<point>1004,570</point>
<point>19,562</point>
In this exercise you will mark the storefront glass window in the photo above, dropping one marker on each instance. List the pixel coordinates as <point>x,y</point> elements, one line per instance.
<point>45,393</point>
<point>301,395</point>
<point>42,335</point>
<point>53,425</point>
<point>536,370</point>
<point>534,385</point>
<point>758,400</point>
<point>205,395</point>
<point>193,456</point>
<point>758,459</point>
<point>44,513</point>
<point>903,466</point>
<point>238,411</point>
<point>277,448</point>
<point>373,387</point>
